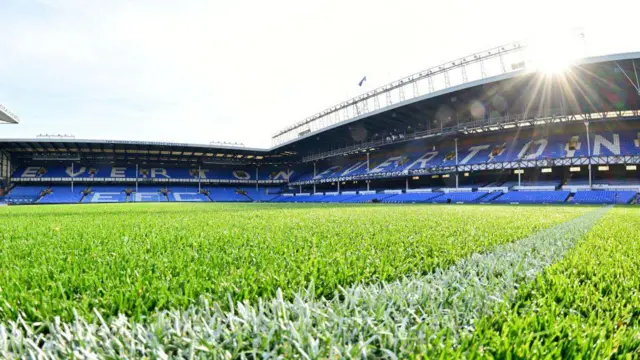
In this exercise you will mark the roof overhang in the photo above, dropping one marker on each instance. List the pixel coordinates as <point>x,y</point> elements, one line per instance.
<point>7,117</point>
<point>453,89</point>
<point>149,144</point>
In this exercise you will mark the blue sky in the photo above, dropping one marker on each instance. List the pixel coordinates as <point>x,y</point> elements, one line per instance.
<point>238,71</point>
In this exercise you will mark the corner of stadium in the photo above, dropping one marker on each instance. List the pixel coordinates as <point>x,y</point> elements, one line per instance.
<point>455,133</point>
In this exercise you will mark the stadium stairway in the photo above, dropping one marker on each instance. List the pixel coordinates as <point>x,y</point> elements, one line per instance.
<point>491,197</point>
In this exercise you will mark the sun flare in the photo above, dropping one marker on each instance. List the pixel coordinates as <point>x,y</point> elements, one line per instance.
<point>554,53</point>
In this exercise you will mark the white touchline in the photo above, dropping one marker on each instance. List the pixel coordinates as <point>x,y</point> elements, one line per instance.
<point>383,320</point>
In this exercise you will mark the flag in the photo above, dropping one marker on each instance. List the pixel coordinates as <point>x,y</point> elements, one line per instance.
<point>362,81</point>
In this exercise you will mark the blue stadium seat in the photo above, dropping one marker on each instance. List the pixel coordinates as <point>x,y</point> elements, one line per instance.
<point>24,194</point>
<point>186,194</point>
<point>603,197</point>
<point>262,194</point>
<point>409,198</point>
<point>227,194</point>
<point>62,194</point>
<point>338,198</point>
<point>533,197</point>
<point>80,171</point>
<point>367,198</point>
<point>459,197</point>
<point>106,194</point>
<point>491,196</point>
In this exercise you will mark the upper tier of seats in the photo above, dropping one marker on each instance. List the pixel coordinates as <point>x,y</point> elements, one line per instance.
<point>479,150</point>
<point>410,158</point>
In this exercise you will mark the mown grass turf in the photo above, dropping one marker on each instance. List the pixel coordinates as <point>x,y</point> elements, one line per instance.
<point>585,306</point>
<point>139,258</point>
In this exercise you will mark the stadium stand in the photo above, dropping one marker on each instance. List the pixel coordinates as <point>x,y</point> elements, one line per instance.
<point>459,197</point>
<point>228,194</point>
<point>491,197</point>
<point>511,184</point>
<point>617,182</point>
<point>105,194</point>
<point>548,145</point>
<point>603,197</point>
<point>532,197</point>
<point>186,194</point>
<point>24,194</point>
<point>148,193</point>
<point>411,198</point>
<point>365,198</point>
<point>338,198</point>
<point>605,143</point>
<point>299,198</point>
<point>60,194</point>
<point>86,172</point>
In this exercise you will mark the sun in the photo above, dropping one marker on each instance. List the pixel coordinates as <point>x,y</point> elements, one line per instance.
<point>553,53</point>
<point>553,63</point>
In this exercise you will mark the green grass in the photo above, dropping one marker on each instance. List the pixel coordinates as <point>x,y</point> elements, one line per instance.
<point>139,259</point>
<point>585,306</point>
<point>424,281</point>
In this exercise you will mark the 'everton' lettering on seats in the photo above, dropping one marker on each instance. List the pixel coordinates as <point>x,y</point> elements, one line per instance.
<point>85,172</point>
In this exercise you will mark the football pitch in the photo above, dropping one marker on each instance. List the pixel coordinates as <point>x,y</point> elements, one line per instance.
<point>319,281</point>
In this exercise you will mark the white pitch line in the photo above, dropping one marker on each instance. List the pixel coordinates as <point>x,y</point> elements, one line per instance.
<point>385,320</point>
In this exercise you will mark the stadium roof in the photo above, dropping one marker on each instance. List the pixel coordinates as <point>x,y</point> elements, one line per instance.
<point>7,117</point>
<point>139,151</point>
<point>414,111</point>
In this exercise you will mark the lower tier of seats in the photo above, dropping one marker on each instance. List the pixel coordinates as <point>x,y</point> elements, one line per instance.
<point>59,194</point>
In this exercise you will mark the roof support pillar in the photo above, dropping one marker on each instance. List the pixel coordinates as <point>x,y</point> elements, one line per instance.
<point>519,177</point>
<point>137,171</point>
<point>586,124</point>
<point>314,177</point>
<point>368,161</point>
<point>456,144</point>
